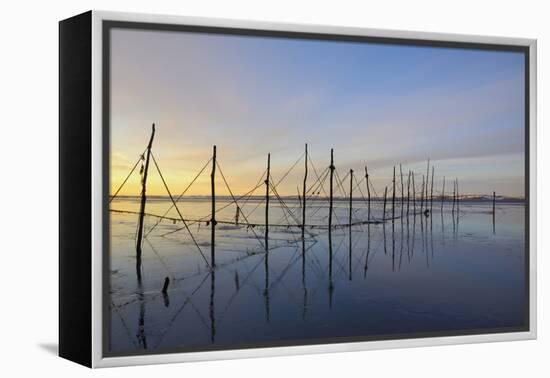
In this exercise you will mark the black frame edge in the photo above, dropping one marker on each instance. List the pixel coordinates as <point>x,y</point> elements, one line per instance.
<point>75,217</point>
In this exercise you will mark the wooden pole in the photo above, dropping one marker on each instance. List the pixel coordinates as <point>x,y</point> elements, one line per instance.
<point>422,195</point>
<point>213,218</point>
<point>330,284</point>
<point>368,193</point>
<point>494,212</point>
<point>267,202</point>
<point>331,188</point>
<point>350,195</point>
<point>165,285</point>
<point>414,194</point>
<point>350,216</point>
<point>408,192</point>
<point>402,188</point>
<point>304,194</point>
<point>443,194</point>
<point>142,203</point>
<point>427,179</point>
<point>454,197</point>
<point>385,196</point>
<point>164,292</point>
<point>393,197</point>
<point>432,191</point>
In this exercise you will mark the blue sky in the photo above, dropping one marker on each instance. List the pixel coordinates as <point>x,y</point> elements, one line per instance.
<point>376,105</point>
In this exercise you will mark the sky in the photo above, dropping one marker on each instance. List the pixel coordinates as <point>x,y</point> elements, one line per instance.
<point>376,105</point>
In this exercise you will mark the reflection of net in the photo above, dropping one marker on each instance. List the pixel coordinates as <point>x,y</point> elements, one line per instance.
<point>365,216</point>
<point>351,253</point>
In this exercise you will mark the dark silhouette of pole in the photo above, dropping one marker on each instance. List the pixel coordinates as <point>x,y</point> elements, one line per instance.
<point>368,251</point>
<point>385,196</point>
<point>443,194</point>
<point>427,179</point>
<point>384,234</point>
<point>422,194</point>
<point>165,285</point>
<point>164,292</point>
<point>350,255</point>
<point>408,192</point>
<point>141,335</point>
<point>330,284</point>
<point>331,189</point>
<point>350,214</point>
<point>402,188</point>
<point>304,197</point>
<point>432,191</point>
<point>393,197</point>
<point>267,202</point>
<point>350,196</point>
<point>368,193</point>
<point>414,195</point>
<point>494,208</point>
<point>454,198</point>
<point>213,218</point>
<point>142,204</point>
<point>266,259</point>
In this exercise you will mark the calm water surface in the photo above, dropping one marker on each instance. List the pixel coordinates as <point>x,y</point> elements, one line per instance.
<point>414,275</point>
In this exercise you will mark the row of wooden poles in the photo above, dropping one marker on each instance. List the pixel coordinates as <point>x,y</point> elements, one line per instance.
<point>425,199</point>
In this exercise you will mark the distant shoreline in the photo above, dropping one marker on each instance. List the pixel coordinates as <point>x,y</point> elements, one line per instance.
<point>448,199</point>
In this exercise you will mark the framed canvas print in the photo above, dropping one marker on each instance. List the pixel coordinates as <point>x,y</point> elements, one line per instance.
<point>235,189</point>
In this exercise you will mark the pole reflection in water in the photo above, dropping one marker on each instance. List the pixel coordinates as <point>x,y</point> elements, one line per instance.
<point>212,308</point>
<point>166,299</point>
<point>141,335</point>
<point>368,251</point>
<point>330,283</point>
<point>454,224</point>
<point>237,283</point>
<point>266,286</point>
<point>423,239</point>
<point>442,229</point>
<point>408,241</point>
<point>350,255</point>
<point>401,242</point>
<point>494,211</point>
<point>288,292</point>
<point>384,235</point>
<point>393,244</point>
<point>304,286</point>
<point>413,236</point>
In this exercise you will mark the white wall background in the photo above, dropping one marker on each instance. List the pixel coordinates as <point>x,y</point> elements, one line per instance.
<point>28,184</point>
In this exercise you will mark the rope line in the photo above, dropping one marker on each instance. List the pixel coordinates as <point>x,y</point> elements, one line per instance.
<point>127,177</point>
<point>178,210</point>
<point>179,197</point>
<point>237,204</point>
